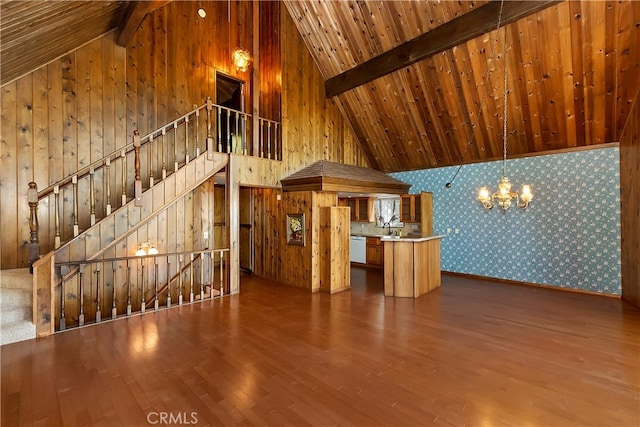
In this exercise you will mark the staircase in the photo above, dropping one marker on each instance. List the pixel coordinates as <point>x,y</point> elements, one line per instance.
<point>16,302</point>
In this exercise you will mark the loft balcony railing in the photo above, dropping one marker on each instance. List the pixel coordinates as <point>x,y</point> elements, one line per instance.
<point>89,292</point>
<point>96,190</point>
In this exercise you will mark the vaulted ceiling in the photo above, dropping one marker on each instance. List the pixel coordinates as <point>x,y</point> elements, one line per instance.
<point>573,69</point>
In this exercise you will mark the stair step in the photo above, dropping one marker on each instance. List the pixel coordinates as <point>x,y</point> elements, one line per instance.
<point>16,331</point>
<point>17,278</point>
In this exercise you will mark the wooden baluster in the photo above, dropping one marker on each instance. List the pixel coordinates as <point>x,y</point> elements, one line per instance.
<point>114,308</point>
<point>186,140</point>
<point>198,133</point>
<point>261,142</point>
<point>56,216</point>
<point>98,312</point>
<point>142,303</point>
<point>137,189</point>
<point>168,282</point>
<point>238,135</point>
<point>128,288</point>
<point>201,276</point>
<point>209,141</point>
<point>269,140</point>
<point>228,135</point>
<point>213,273</point>
<point>81,296</point>
<point>34,227</point>
<point>191,298</point>
<point>63,320</point>
<point>76,229</point>
<point>92,196</point>
<point>244,134</point>
<point>108,184</point>
<point>180,284</point>
<point>221,273</point>
<point>219,128</point>
<point>156,304</point>
<point>123,156</point>
<point>175,146</point>
<point>150,155</point>
<point>164,157</point>
<point>278,142</point>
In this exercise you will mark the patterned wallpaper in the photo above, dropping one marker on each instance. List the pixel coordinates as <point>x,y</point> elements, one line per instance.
<point>568,237</point>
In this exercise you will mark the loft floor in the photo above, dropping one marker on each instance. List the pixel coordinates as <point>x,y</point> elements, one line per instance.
<point>470,353</point>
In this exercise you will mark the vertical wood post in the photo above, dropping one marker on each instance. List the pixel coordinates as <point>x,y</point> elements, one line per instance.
<point>74,182</point>
<point>92,196</point>
<point>168,282</point>
<point>56,216</point>
<point>142,304</point>
<point>63,320</point>
<point>123,156</point>
<point>186,140</point>
<point>175,146</point>
<point>156,304</point>
<point>210,148</point>
<point>34,227</point>
<point>191,298</point>
<point>198,133</point>
<point>98,312</point>
<point>108,184</point>
<point>164,156</point>
<point>180,284</point>
<point>81,296</point>
<point>137,191</point>
<point>128,288</point>
<point>150,155</point>
<point>114,308</point>
<point>255,77</point>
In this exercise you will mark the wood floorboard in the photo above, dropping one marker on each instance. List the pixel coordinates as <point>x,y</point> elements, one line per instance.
<point>472,352</point>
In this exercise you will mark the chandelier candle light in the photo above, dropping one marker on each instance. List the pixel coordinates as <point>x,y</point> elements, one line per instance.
<point>504,195</point>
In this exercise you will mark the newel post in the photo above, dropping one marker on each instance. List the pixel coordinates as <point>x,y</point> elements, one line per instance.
<point>34,247</point>
<point>137,193</point>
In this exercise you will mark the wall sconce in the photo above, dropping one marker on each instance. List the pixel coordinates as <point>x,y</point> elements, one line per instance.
<point>146,248</point>
<point>202,13</point>
<point>241,59</point>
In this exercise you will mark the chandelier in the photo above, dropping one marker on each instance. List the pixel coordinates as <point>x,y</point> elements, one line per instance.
<point>504,197</point>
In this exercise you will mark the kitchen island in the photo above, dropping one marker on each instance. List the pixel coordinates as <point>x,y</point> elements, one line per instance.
<point>411,265</point>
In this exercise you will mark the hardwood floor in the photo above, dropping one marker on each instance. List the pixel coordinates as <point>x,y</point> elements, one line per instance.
<point>470,353</point>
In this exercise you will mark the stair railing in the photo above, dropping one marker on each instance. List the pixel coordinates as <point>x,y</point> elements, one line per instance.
<point>155,155</point>
<point>107,289</point>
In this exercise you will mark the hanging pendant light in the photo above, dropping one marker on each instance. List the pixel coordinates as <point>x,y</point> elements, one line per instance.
<point>504,197</point>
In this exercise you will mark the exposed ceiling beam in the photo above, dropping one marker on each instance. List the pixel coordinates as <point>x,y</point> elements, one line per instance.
<point>133,17</point>
<point>459,30</point>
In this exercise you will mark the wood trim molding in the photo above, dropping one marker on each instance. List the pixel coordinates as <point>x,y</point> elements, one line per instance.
<point>535,285</point>
<point>457,31</point>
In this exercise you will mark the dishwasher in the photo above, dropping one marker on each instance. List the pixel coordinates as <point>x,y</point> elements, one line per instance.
<point>358,250</point>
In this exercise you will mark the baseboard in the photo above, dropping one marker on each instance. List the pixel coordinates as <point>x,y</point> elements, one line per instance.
<point>534,285</point>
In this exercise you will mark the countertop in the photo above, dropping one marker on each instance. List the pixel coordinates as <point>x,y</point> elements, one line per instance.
<point>410,238</point>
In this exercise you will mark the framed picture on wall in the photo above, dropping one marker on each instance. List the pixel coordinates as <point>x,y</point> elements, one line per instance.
<point>295,229</point>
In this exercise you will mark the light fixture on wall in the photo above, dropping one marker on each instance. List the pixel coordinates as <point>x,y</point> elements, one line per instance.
<point>146,248</point>
<point>504,196</point>
<point>241,59</point>
<point>202,13</point>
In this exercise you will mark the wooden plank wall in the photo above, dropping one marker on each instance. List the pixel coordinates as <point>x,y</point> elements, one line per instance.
<point>630,206</point>
<point>87,103</point>
<point>313,127</point>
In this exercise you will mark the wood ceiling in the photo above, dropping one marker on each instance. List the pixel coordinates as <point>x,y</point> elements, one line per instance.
<point>573,70</point>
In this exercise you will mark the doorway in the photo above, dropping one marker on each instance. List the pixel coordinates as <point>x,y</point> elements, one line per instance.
<point>231,127</point>
<point>246,229</point>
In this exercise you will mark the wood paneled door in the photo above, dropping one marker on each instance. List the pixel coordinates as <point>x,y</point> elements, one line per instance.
<point>246,228</point>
